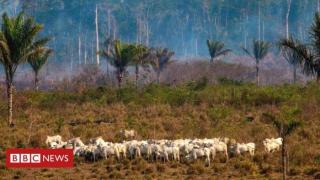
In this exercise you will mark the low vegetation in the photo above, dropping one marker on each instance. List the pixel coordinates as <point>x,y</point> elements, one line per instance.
<point>194,109</point>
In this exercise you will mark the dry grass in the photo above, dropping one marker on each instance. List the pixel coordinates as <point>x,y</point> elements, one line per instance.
<point>238,111</point>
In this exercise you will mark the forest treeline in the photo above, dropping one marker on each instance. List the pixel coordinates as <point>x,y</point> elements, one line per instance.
<point>180,25</point>
<point>26,40</point>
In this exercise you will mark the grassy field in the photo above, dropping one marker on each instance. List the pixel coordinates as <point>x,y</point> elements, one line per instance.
<point>195,109</point>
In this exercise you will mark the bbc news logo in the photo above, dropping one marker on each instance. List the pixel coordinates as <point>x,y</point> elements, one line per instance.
<point>39,158</point>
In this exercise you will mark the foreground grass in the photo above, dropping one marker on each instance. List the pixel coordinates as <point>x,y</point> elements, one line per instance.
<point>229,109</point>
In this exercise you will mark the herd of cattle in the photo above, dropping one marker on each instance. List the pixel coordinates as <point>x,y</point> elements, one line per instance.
<point>188,149</point>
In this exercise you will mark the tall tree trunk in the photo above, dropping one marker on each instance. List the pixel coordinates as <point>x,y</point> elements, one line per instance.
<point>257,75</point>
<point>287,18</point>
<point>284,159</point>
<point>283,153</point>
<point>36,82</point>
<point>120,78</point>
<point>263,31</point>
<point>79,49</point>
<point>109,23</point>
<point>10,100</point>
<point>158,76</point>
<point>196,46</point>
<point>294,73</point>
<point>137,75</point>
<point>259,22</point>
<point>97,37</point>
<point>71,57</point>
<point>147,34</point>
<point>85,49</point>
<point>246,30</point>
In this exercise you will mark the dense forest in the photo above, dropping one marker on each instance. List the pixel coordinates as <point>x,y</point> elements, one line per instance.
<point>181,25</point>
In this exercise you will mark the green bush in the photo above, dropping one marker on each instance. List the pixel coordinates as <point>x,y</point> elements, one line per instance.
<point>317,159</point>
<point>197,85</point>
<point>218,113</point>
<point>227,81</point>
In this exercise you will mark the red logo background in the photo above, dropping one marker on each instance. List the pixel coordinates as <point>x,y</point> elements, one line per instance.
<point>55,158</point>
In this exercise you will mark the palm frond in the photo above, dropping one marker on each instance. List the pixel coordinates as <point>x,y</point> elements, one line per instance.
<point>276,123</point>
<point>224,52</point>
<point>40,43</point>
<point>260,49</point>
<point>17,40</point>
<point>5,52</point>
<point>159,58</point>
<point>288,48</point>
<point>118,54</point>
<point>247,52</point>
<point>38,59</point>
<point>216,49</point>
<point>291,126</point>
<point>300,52</point>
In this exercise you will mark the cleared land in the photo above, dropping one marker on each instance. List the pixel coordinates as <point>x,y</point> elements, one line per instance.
<point>195,109</point>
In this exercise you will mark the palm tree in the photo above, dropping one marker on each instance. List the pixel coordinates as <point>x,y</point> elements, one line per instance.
<point>260,50</point>
<point>216,49</point>
<point>37,62</point>
<point>285,128</point>
<point>119,56</point>
<point>140,58</point>
<point>290,55</point>
<point>17,44</point>
<point>160,59</point>
<point>310,54</point>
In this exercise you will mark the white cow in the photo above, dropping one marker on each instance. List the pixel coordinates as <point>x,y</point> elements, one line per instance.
<point>97,141</point>
<point>79,150</point>
<point>241,148</point>
<point>174,152</point>
<point>221,147</point>
<point>109,150</point>
<point>53,141</point>
<point>76,142</point>
<point>128,134</point>
<point>134,150</point>
<point>272,145</point>
<point>199,153</point>
<point>122,149</point>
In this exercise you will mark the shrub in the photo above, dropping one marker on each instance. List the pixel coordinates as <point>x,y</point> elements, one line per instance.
<point>59,124</point>
<point>20,144</point>
<point>148,170</point>
<point>310,171</point>
<point>218,113</point>
<point>130,122</point>
<point>246,167</point>
<point>265,169</point>
<point>179,96</point>
<point>115,175</point>
<point>294,171</point>
<point>161,168</point>
<point>317,159</point>
<point>198,85</point>
<point>127,94</point>
<point>196,169</point>
<point>227,81</point>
